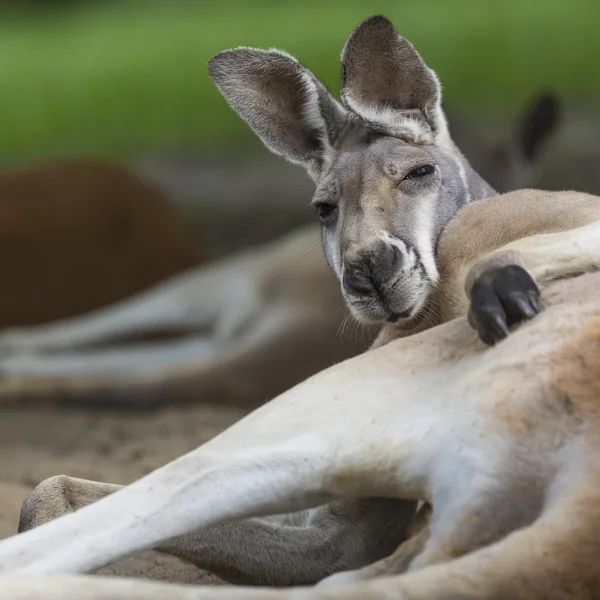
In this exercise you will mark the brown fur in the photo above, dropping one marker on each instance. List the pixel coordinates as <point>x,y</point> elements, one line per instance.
<point>80,234</point>
<point>577,378</point>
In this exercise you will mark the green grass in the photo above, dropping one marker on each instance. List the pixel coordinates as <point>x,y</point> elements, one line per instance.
<point>118,79</point>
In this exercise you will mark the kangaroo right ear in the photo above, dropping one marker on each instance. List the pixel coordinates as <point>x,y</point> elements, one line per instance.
<point>387,84</point>
<point>289,109</point>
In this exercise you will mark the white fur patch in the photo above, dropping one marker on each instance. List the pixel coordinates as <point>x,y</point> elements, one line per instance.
<point>393,241</point>
<point>423,230</point>
<point>410,259</point>
<point>424,234</point>
<point>313,116</point>
<point>401,124</point>
<point>460,167</point>
<point>311,113</point>
<point>336,261</point>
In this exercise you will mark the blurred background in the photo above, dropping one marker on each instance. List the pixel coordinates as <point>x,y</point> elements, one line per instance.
<point>126,80</point>
<point>122,166</point>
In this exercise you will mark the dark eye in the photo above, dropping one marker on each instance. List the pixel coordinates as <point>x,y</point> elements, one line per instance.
<point>325,210</point>
<point>420,172</point>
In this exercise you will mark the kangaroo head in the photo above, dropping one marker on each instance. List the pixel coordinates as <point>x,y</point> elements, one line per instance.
<point>388,176</point>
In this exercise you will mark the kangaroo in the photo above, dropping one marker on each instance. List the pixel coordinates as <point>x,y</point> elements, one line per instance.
<point>364,464</point>
<point>241,310</point>
<point>84,221</point>
<point>514,161</point>
<point>570,160</point>
<point>499,440</point>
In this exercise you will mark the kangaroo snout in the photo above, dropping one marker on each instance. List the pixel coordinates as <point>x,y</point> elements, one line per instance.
<point>367,274</point>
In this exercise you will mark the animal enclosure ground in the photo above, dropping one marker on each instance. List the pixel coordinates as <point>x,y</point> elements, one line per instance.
<point>107,445</point>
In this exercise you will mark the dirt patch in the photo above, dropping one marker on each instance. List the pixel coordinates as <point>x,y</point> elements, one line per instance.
<point>115,446</point>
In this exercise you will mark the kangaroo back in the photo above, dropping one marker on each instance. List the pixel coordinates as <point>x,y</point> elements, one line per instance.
<point>79,235</point>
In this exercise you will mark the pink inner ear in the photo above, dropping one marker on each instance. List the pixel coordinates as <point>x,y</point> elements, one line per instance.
<point>387,83</point>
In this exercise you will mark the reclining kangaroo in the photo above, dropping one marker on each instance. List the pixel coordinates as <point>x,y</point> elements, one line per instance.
<point>237,313</point>
<point>499,440</point>
<point>493,438</point>
<point>90,222</point>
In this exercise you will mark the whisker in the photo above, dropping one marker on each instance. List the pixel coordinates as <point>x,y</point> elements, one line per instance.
<point>360,331</point>
<point>343,328</point>
<point>309,248</point>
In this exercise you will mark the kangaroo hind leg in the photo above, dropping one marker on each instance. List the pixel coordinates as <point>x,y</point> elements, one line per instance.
<point>203,488</point>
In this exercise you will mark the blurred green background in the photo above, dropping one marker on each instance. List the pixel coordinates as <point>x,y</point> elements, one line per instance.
<point>125,78</point>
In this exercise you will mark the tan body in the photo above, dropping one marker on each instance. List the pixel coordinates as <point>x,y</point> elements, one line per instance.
<point>80,235</point>
<point>499,440</point>
<point>534,212</point>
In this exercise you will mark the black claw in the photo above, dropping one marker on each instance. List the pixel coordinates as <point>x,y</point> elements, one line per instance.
<point>533,300</point>
<point>501,326</point>
<point>486,338</point>
<point>523,304</point>
<point>500,299</point>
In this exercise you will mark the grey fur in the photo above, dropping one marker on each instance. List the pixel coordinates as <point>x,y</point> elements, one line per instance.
<point>380,238</point>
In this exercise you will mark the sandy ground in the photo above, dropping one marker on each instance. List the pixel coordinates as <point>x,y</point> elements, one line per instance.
<point>118,446</point>
<point>107,445</point>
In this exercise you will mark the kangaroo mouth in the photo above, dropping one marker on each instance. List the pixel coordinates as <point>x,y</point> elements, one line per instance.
<point>395,317</point>
<point>399,300</point>
<point>386,309</point>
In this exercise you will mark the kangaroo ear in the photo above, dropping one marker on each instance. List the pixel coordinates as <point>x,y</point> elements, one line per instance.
<point>537,124</point>
<point>387,84</point>
<point>289,109</point>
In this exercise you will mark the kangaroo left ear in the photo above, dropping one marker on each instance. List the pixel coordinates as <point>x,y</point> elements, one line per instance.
<point>537,124</point>
<point>387,84</point>
<point>288,108</point>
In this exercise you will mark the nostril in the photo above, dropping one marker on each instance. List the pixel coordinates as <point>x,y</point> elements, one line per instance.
<point>356,285</point>
<point>382,261</point>
<point>398,258</point>
<point>385,264</point>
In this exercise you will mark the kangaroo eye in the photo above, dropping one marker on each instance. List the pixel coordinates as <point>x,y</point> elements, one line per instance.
<point>325,210</point>
<point>421,171</point>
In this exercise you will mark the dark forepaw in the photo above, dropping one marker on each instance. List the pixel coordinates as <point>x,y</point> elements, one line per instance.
<point>501,298</point>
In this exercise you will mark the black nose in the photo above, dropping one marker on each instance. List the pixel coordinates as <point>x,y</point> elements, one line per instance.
<point>367,275</point>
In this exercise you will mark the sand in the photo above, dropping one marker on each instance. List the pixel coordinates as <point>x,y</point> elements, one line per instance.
<point>108,445</point>
<point>118,446</point>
